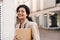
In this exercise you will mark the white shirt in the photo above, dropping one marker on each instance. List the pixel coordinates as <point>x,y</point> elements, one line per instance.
<point>33,25</point>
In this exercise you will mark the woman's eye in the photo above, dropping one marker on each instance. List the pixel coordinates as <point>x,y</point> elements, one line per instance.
<point>22,11</point>
<point>18,11</point>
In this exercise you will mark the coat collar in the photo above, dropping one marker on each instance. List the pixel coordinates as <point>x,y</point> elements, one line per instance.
<point>25,21</point>
<point>23,24</point>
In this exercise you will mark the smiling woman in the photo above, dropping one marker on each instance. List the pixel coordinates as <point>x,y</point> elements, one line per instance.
<point>24,21</point>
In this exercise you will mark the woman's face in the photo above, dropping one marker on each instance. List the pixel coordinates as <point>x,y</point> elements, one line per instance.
<point>21,13</point>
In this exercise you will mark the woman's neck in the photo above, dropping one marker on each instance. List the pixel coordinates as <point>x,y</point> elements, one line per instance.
<point>22,21</point>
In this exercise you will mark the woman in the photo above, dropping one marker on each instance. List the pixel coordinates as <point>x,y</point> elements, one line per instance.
<point>24,21</point>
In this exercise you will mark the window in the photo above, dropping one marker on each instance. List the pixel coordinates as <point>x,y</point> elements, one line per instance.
<point>45,21</point>
<point>53,19</point>
<point>57,1</point>
<point>37,20</point>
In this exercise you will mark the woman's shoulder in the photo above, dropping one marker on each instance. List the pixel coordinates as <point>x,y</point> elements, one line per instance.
<point>32,23</point>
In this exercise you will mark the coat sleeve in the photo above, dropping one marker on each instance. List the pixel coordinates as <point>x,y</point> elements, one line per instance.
<point>35,32</point>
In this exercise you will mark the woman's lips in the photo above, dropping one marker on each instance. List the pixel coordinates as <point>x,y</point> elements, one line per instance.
<point>20,15</point>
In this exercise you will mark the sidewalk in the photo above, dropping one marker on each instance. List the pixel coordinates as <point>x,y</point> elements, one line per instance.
<point>49,34</point>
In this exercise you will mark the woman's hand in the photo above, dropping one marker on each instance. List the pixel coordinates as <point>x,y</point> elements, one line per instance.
<point>16,38</point>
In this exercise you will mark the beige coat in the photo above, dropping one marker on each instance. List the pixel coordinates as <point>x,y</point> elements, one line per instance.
<point>33,25</point>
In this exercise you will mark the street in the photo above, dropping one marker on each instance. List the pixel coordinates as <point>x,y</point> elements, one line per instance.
<point>49,34</point>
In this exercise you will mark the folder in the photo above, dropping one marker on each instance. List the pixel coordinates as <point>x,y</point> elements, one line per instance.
<point>24,33</point>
